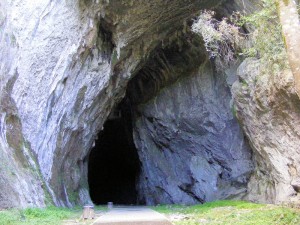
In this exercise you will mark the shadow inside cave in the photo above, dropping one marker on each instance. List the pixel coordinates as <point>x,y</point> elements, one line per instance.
<point>114,166</point>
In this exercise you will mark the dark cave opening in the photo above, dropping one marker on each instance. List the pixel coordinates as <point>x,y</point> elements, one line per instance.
<point>114,165</point>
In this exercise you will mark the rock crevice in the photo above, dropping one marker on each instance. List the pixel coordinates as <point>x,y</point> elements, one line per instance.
<point>190,145</point>
<point>64,68</point>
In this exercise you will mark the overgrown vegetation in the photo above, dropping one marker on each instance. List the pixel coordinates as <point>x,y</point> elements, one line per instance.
<point>265,37</point>
<point>221,38</point>
<point>231,212</point>
<point>254,35</point>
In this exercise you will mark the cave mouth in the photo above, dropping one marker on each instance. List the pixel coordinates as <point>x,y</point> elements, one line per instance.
<point>114,166</point>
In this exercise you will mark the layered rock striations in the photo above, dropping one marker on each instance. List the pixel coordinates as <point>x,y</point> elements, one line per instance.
<point>65,66</point>
<point>268,108</point>
<point>189,142</point>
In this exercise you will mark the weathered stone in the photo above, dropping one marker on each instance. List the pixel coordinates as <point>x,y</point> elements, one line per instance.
<point>268,108</point>
<point>20,180</point>
<point>64,67</point>
<point>73,61</point>
<point>190,145</point>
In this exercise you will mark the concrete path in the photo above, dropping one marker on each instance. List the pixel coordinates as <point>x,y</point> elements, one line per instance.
<point>132,216</point>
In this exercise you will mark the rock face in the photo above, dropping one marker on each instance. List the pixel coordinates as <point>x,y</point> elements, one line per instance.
<point>269,111</point>
<point>65,66</point>
<point>190,145</point>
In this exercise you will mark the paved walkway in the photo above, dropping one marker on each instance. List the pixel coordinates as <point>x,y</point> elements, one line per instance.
<point>132,216</point>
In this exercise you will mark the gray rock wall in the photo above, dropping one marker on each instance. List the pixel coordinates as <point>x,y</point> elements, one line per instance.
<point>64,66</point>
<point>190,145</point>
<point>58,71</point>
<point>269,111</point>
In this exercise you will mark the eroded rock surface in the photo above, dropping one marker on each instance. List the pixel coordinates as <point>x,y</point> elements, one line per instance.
<point>269,111</point>
<point>190,145</point>
<point>70,63</point>
<point>65,66</point>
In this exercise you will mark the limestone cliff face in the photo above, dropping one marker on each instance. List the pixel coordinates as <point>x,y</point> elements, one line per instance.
<point>189,142</point>
<point>190,145</point>
<point>268,109</point>
<point>64,67</point>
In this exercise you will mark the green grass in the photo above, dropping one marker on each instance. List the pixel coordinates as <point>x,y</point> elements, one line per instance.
<point>232,212</point>
<point>34,216</point>
<point>219,212</point>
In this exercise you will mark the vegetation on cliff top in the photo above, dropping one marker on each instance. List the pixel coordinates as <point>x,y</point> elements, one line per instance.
<point>258,34</point>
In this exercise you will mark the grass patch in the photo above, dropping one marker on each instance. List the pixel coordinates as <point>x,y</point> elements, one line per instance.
<point>36,216</point>
<point>219,212</point>
<point>230,212</point>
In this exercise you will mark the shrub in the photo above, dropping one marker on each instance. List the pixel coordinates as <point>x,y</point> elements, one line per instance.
<point>263,39</point>
<point>221,38</point>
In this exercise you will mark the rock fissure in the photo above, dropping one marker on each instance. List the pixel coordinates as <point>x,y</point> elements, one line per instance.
<point>170,128</point>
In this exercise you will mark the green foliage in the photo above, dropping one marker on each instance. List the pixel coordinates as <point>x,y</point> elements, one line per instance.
<point>9,217</point>
<point>34,216</point>
<point>43,216</point>
<point>224,40</point>
<point>265,38</point>
<point>232,212</point>
<point>50,212</point>
<point>206,206</point>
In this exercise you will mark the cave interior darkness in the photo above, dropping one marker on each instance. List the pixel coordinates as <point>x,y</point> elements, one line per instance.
<point>114,166</point>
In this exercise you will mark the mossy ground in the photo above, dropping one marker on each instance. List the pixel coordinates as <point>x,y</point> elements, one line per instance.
<point>231,212</point>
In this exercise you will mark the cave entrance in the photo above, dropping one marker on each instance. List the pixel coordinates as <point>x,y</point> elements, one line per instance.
<point>114,165</point>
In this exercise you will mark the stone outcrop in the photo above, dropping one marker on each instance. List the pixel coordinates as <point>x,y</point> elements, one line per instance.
<point>65,66</point>
<point>268,109</point>
<point>190,145</point>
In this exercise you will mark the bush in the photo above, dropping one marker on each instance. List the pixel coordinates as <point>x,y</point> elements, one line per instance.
<point>221,38</point>
<point>224,40</point>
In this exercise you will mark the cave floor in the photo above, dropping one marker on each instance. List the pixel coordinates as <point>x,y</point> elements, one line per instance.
<point>132,216</point>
